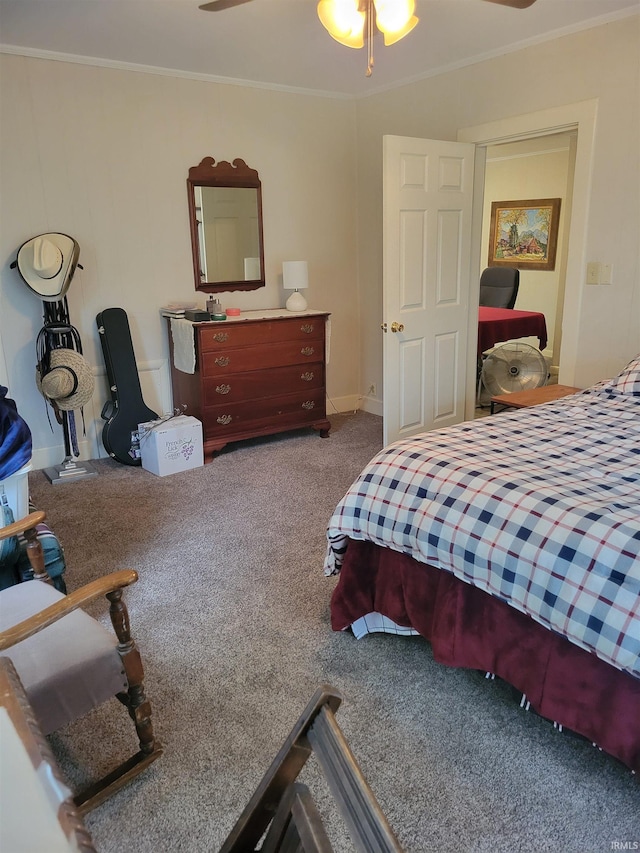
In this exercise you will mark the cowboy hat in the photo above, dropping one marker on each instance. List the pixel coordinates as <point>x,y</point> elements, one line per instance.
<point>69,383</point>
<point>47,263</point>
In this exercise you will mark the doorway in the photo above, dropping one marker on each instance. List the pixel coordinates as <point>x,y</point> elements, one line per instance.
<point>578,119</point>
<point>539,167</point>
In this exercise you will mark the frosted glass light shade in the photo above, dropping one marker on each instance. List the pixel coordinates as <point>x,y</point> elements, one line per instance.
<point>343,21</point>
<point>393,37</point>
<point>395,18</point>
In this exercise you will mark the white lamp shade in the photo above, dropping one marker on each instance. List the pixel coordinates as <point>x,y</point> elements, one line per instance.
<point>295,275</point>
<point>251,269</point>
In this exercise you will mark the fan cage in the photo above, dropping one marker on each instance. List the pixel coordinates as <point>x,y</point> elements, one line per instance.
<point>513,367</point>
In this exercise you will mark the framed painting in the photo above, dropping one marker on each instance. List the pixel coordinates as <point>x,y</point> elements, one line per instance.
<point>524,234</point>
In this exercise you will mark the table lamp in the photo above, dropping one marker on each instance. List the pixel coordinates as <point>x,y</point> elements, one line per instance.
<point>295,276</point>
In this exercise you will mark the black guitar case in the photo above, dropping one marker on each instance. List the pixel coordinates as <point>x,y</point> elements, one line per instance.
<point>126,409</point>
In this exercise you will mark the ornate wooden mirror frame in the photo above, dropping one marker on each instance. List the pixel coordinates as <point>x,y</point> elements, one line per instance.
<point>226,226</point>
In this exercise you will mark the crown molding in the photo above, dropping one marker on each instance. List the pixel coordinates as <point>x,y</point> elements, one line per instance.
<point>75,59</point>
<point>561,32</point>
<point>55,56</point>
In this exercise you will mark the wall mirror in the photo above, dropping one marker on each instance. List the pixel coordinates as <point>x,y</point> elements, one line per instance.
<point>225,215</point>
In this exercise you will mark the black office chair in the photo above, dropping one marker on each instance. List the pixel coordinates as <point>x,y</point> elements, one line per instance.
<point>499,287</point>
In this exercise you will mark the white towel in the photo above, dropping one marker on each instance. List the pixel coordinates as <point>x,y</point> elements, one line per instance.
<point>327,347</point>
<point>184,350</point>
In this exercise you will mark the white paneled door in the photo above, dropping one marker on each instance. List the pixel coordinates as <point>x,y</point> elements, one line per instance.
<point>427,206</point>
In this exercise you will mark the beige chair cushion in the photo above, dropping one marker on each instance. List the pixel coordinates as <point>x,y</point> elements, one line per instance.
<point>66,669</point>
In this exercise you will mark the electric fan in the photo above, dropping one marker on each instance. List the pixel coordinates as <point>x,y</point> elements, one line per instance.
<point>513,367</point>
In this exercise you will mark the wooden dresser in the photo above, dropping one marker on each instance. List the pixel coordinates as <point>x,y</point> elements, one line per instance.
<point>258,374</point>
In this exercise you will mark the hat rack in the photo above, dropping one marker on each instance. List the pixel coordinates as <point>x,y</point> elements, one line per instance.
<point>46,265</point>
<point>58,333</point>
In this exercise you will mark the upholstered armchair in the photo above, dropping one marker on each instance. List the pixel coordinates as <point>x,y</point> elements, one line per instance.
<point>68,662</point>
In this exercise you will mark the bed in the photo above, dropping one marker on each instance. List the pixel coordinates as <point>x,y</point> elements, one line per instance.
<point>512,544</point>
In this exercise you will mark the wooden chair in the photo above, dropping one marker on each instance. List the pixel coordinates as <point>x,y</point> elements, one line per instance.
<point>285,809</point>
<point>68,662</point>
<point>38,812</point>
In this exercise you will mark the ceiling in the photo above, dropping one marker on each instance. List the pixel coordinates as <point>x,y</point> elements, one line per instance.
<point>281,43</point>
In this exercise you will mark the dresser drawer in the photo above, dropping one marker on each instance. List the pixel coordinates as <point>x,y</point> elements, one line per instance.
<point>263,383</point>
<point>237,334</point>
<point>261,357</point>
<point>290,409</point>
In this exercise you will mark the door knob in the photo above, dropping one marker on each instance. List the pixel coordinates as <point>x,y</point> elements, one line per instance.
<point>383,326</point>
<point>397,327</point>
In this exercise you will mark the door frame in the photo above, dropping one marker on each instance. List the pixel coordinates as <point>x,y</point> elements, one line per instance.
<point>582,117</point>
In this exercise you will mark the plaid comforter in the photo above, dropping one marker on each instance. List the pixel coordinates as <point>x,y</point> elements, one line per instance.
<point>538,507</point>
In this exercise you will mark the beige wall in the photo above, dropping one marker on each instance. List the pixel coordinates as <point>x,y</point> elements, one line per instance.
<point>552,74</point>
<point>103,155</point>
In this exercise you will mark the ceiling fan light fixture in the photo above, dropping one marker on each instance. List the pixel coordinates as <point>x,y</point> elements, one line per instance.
<point>347,21</point>
<point>343,20</point>
<point>395,18</point>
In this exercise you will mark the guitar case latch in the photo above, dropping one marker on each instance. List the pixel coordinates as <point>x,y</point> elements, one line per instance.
<point>107,410</point>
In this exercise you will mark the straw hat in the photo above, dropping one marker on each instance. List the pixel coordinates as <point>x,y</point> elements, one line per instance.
<point>47,264</point>
<point>69,381</point>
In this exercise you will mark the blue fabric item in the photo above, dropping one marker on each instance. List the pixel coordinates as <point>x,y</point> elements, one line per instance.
<point>8,575</point>
<point>9,549</point>
<point>15,437</point>
<point>17,569</point>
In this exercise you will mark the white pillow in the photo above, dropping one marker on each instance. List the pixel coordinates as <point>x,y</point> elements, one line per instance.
<point>628,380</point>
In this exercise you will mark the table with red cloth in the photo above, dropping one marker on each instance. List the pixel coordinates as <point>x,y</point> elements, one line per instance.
<point>503,324</point>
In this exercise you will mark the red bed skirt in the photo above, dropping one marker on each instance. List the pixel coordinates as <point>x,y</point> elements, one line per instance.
<point>469,628</point>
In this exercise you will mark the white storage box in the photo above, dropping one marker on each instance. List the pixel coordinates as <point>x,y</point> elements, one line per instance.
<point>16,488</point>
<point>167,447</point>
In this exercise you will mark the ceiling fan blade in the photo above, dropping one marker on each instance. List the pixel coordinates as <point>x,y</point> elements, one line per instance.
<point>219,5</point>
<point>515,4</point>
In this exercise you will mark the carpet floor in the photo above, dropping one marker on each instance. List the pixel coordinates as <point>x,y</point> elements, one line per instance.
<point>231,614</point>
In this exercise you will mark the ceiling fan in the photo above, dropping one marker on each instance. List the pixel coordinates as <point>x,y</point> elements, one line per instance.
<point>351,22</point>
<point>219,5</point>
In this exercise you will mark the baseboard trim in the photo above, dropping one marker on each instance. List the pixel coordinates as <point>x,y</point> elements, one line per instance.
<point>47,457</point>
<point>354,403</point>
<point>91,447</point>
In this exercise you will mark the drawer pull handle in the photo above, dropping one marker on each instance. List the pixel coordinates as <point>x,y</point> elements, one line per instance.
<point>222,361</point>
<point>223,389</point>
<point>221,337</point>
<point>224,419</point>
<point>307,351</point>
<point>308,404</point>
<point>306,377</point>
<point>307,328</point>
